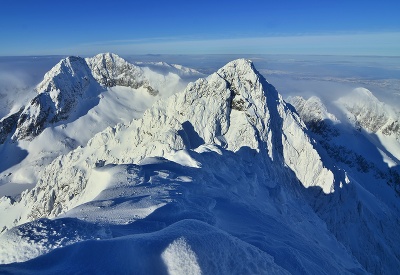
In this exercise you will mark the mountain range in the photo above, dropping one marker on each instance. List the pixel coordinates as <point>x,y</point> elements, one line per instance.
<point>155,168</point>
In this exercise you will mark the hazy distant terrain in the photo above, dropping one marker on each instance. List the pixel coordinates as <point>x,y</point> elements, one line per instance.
<point>324,76</point>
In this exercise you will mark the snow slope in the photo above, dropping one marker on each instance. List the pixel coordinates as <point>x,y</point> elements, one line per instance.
<point>183,248</point>
<point>223,177</point>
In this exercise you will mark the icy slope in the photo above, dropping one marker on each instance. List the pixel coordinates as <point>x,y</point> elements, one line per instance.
<point>380,121</point>
<point>314,113</point>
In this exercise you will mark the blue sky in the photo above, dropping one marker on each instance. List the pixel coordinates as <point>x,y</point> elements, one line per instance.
<point>199,27</point>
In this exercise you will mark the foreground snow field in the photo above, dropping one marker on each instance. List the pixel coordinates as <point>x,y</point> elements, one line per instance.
<point>221,177</point>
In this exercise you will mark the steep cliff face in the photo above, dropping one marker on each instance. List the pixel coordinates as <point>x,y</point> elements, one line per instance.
<point>8,125</point>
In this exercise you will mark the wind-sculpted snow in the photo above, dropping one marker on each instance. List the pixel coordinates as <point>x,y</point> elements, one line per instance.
<point>187,247</point>
<point>42,236</point>
<point>211,219</point>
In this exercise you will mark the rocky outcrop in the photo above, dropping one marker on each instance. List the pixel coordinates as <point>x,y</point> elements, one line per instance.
<point>111,70</point>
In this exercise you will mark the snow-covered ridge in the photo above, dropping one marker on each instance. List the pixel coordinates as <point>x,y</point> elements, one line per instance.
<point>234,108</point>
<point>367,124</point>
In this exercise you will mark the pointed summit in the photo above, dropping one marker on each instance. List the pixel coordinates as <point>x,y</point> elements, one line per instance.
<point>68,72</point>
<point>367,112</point>
<point>58,94</point>
<point>111,70</point>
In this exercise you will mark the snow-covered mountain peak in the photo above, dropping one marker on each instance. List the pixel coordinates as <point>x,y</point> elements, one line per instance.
<point>107,63</point>
<point>64,75</point>
<point>241,66</point>
<point>58,94</point>
<point>370,114</point>
<point>363,93</point>
<point>71,81</point>
<point>263,128</point>
<point>65,65</point>
<point>362,98</point>
<point>219,107</point>
<point>311,109</point>
<point>242,77</point>
<point>260,119</point>
<point>111,70</point>
<point>109,57</point>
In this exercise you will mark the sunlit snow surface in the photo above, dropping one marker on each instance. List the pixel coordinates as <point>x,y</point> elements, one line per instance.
<point>191,193</point>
